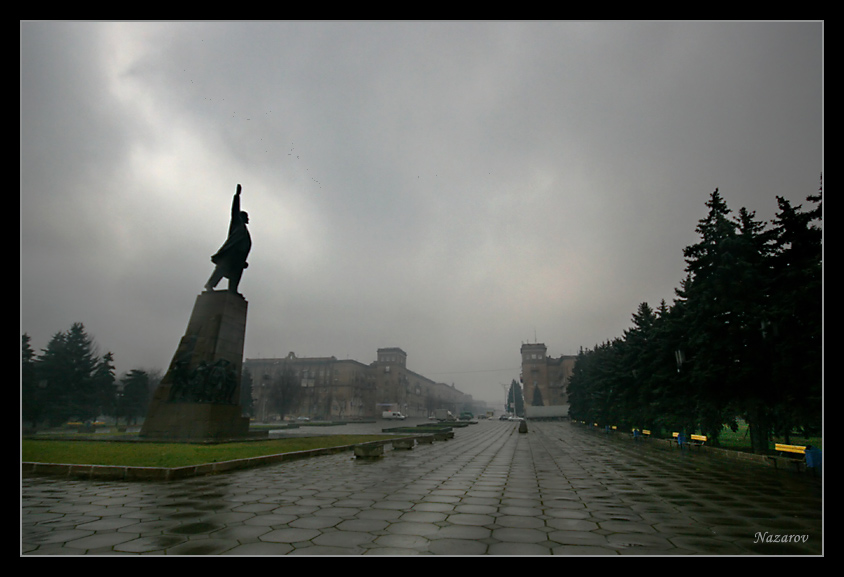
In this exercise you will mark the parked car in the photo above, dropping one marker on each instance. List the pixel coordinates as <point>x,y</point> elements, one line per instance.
<point>393,415</point>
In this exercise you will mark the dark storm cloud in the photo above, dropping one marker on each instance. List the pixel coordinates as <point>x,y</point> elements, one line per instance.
<point>452,188</point>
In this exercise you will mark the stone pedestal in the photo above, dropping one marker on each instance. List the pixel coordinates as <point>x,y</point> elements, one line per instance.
<point>199,397</point>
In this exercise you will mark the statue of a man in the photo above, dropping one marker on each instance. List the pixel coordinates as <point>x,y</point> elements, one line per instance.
<point>231,258</point>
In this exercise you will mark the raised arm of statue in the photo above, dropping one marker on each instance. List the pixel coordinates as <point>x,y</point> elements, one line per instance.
<point>236,214</point>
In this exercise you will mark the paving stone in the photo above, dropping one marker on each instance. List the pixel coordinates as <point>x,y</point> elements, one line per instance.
<point>391,551</point>
<point>423,517</point>
<point>45,536</point>
<point>571,524</point>
<point>98,541</point>
<point>520,511</point>
<point>406,528</point>
<point>519,521</point>
<point>403,541</point>
<point>462,532</point>
<point>367,525</point>
<point>198,528</point>
<point>289,535</point>
<point>203,547</point>
<point>519,535</point>
<point>518,549</point>
<point>242,533</point>
<point>435,507</point>
<point>457,547</point>
<point>470,519</point>
<point>476,509</point>
<point>315,522</point>
<point>343,539</point>
<point>111,523</point>
<point>582,550</point>
<point>150,544</point>
<point>578,538</point>
<point>628,540</point>
<point>262,549</point>
<point>318,550</point>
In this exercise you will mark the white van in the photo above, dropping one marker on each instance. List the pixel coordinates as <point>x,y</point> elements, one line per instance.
<point>392,415</point>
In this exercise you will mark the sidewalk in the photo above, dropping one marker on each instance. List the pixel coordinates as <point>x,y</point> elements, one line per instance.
<point>490,490</point>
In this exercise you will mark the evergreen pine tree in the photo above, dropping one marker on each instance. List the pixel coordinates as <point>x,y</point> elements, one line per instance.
<point>52,368</point>
<point>793,328</point>
<point>82,357</point>
<point>133,400</point>
<point>104,385</point>
<point>32,401</point>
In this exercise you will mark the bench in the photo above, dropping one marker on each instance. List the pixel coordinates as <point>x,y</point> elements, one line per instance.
<point>371,450</point>
<point>697,440</point>
<point>692,440</point>
<point>375,449</point>
<point>791,454</point>
<point>406,443</point>
<point>639,434</point>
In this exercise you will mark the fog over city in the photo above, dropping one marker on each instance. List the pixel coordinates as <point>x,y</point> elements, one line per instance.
<point>452,188</point>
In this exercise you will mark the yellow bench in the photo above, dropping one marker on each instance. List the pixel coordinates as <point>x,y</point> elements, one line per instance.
<point>796,449</point>
<point>797,455</point>
<point>791,454</point>
<point>696,440</point>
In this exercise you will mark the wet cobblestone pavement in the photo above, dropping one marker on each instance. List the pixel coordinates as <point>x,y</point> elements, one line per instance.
<point>557,490</point>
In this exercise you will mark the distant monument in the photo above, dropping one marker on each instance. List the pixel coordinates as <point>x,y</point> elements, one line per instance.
<point>199,397</point>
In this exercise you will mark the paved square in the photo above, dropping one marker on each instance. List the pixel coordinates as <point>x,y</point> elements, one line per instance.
<point>559,489</point>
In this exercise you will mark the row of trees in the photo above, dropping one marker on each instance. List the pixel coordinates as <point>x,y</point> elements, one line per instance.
<point>743,338</point>
<point>70,381</point>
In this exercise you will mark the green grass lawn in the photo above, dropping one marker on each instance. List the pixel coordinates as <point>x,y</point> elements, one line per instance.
<point>740,440</point>
<point>139,454</point>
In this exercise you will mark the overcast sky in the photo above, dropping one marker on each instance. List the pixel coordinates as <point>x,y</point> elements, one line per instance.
<point>451,188</point>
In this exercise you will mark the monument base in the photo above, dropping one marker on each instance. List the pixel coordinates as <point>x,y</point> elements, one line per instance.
<point>199,397</point>
<point>196,422</point>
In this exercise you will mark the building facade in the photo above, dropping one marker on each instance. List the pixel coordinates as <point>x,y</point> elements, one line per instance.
<point>544,379</point>
<point>328,388</point>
